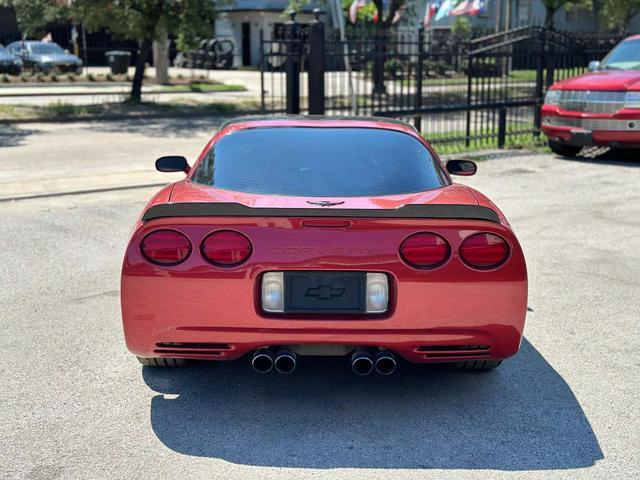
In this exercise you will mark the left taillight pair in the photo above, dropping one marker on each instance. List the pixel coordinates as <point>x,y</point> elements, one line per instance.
<point>223,248</point>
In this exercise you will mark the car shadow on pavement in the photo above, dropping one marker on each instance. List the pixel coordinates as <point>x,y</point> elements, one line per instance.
<point>522,416</point>
<point>11,136</point>
<point>607,156</point>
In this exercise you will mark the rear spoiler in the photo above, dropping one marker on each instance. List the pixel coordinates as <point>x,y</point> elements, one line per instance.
<point>456,212</point>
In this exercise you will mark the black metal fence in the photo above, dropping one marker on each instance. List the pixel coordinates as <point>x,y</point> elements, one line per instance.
<point>485,91</point>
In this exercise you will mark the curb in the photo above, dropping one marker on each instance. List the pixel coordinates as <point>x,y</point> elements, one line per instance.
<point>119,117</point>
<point>104,93</point>
<point>81,192</point>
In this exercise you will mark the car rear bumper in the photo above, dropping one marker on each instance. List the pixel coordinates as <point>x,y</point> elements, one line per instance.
<point>219,320</point>
<point>417,346</point>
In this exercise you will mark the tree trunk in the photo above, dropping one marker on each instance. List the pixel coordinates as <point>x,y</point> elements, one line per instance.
<point>138,77</point>
<point>548,22</point>
<point>161,56</point>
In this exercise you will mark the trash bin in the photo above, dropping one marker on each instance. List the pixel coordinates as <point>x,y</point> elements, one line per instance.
<point>118,60</point>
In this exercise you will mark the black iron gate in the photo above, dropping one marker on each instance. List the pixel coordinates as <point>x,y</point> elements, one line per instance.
<point>481,92</point>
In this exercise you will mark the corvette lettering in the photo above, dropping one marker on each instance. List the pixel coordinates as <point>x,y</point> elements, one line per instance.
<point>324,251</point>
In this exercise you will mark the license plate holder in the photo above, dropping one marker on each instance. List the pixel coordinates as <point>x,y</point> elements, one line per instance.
<point>581,138</point>
<point>325,292</point>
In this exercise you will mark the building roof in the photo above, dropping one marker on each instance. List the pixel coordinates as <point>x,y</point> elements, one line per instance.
<point>266,5</point>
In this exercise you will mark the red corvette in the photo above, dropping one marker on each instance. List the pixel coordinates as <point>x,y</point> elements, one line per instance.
<point>294,236</point>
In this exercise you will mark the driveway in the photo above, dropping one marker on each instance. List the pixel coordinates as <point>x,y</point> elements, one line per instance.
<point>75,404</point>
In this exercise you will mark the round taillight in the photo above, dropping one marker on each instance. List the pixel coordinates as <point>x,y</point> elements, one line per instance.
<point>425,250</point>
<point>226,248</point>
<point>165,247</point>
<point>484,250</point>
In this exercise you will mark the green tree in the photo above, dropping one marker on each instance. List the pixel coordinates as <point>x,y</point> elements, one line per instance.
<point>552,6</point>
<point>618,13</point>
<point>145,21</point>
<point>34,15</point>
<point>462,27</point>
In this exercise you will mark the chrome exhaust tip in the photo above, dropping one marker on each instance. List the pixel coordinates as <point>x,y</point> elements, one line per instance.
<point>285,361</point>
<point>385,363</point>
<point>361,362</point>
<point>262,361</point>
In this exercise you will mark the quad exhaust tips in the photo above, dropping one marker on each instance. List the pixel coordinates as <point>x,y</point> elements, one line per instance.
<point>285,361</point>
<point>363,363</point>
<point>264,361</point>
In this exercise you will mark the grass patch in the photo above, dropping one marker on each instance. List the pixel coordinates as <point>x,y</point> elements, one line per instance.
<point>203,87</point>
<point>62,110</point>
<point>67,111</point>
<point>447,143</point>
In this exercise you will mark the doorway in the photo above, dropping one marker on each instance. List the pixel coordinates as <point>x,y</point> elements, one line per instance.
<point>246,44</point>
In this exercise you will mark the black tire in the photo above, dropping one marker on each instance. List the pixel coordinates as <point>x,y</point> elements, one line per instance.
<point>477,365</point>
<point>563,149</point>
<point>162,362</point>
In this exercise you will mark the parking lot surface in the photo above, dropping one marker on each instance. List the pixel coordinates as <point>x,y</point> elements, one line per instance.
<point>75,404</point>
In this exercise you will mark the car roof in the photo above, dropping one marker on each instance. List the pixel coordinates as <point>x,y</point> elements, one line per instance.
<point>632,37</point>
<point>256,121</point>
<point>33,42</point>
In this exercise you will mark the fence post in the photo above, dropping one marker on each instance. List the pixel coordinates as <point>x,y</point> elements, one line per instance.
<point>380,38</point>
<point>470,73</point>
<point>316,65</point>
<point>550,57</point>
<point>502,127</point>
<point>539,89</point>
<point>417,121</point>
<point>292,67</point>
<point>263,107</point>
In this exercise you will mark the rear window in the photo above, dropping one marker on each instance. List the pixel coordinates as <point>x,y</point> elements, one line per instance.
<point>320,162</point>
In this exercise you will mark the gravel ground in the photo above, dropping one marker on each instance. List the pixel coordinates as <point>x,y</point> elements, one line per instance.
<point>75,404</point>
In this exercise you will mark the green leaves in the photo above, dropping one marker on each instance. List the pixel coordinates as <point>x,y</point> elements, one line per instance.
<point>142,19</point>
<point>34,15</point>
<point>617,14</point>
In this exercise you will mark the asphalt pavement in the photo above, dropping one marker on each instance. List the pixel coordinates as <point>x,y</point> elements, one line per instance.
<point>76,404</point>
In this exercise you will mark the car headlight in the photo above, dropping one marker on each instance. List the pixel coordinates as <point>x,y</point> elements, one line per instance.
<point>552,97</point>
<point>632,100</point>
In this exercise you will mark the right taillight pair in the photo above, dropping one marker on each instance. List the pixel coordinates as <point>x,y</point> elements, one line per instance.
<point>223,248</point>
<point>483,251</point>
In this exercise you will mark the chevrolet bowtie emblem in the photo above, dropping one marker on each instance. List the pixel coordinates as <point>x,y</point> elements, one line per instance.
<point>324,292</point>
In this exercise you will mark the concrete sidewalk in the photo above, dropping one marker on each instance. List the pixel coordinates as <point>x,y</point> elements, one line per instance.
<point>133,146</point>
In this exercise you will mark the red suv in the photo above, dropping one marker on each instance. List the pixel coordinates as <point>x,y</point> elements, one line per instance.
<point>600,108</point>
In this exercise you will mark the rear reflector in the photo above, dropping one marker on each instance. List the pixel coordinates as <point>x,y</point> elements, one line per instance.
<point>226,248</point>
<point>165,247</point>
<point>425,250</point>
<point>484,251</point>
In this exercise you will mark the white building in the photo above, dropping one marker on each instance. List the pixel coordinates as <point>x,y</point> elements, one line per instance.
<point>243,21</point>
